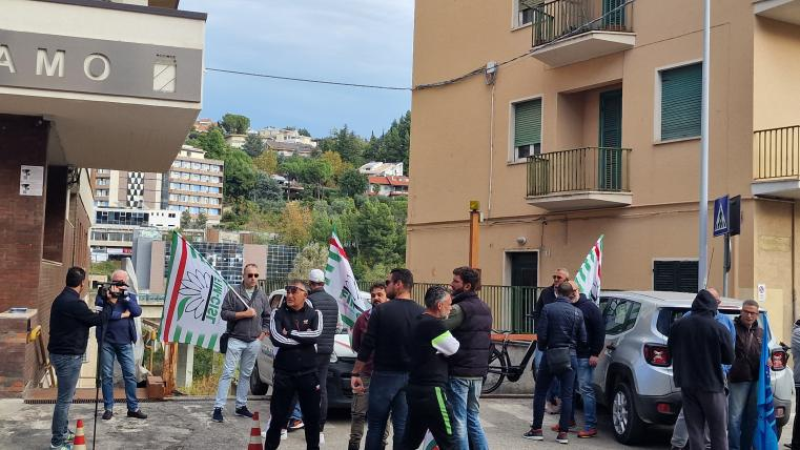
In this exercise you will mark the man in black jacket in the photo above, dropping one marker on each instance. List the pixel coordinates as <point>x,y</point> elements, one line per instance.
<point>743,378</point>
<point>546,297</point>
<point>588,355</point>
<point>699,345</point>
<point>294,329</point>
<point>325,303</point>
<point>561,326</point>
<point>70,320</point>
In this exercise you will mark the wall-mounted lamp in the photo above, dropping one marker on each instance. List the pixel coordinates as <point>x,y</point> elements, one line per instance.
<point>522,240</point>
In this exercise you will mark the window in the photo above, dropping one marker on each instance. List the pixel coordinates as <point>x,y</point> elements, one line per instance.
<point>678,276</point>
<point>213,190</point>
<point>171,215</point>
<point>524,12</point>
<point>213,212</point>
<point>527,129</point>
<point>681,98</point>
<point>619,315</point>
<point>173,197</point>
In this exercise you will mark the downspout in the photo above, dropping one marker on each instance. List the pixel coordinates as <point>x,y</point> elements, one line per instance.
<point>491,77</point>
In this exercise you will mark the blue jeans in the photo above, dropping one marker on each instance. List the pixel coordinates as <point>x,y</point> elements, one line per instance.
<point>585,374</point>
<point>245,354</point>
<point>387,394</point>
<point>543,381</point>
<point>68,371</point>
<point>463,394</point>
<point>555,389</point>
<point>297,414</point>
<point>123,353</point>
<point>742,414</point>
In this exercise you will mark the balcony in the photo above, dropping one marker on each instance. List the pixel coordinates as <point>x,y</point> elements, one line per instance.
<point>776,162</point>
<point>570,31</point>
<point>581,178</point>
<point>783,10</point>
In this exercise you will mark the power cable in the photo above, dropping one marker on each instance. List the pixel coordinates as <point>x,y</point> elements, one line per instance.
<point>307,80</point>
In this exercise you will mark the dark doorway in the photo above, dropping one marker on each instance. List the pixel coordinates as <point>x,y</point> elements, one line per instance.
<point>524,274</point>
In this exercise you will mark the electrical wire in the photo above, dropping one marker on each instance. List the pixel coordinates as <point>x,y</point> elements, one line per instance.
<point>307,80</point>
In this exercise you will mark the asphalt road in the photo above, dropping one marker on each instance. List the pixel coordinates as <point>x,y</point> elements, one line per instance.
<point>182,424</point>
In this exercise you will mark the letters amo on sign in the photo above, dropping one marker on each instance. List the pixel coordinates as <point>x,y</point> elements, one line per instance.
<point>54,66</point>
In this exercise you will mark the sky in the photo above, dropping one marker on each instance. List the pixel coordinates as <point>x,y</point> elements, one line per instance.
<point>355,41</point>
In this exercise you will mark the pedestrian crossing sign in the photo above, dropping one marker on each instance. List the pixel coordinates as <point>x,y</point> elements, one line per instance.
<point>721,217</point>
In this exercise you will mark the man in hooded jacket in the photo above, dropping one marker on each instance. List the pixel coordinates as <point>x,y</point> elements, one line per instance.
<point>699,345</point>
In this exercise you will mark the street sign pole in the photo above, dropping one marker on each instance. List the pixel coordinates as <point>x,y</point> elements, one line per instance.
<point>726,264</point>
<point>702,276</point>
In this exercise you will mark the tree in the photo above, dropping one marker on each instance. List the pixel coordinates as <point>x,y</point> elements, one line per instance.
<point>321,225</point>
<point>346,143</point>
<point>253,145</point>
<point>201,220</point>
<point>186,219</point>
<point>294,225</point>
<point>235,124</point>
<point>352,182</point>
<point>240,176</point>
<point>317,172</point>
<point>304,132</point>
<point>375,233</point>
<point>267,162</point>
<point>312,256</point>
<point>265,190</point>
<point>214,144</point>
<point>336,163</point>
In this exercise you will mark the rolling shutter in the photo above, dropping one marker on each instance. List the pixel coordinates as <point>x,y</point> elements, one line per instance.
<point>681,99</point>
<point>679,276</point>
<point>528,123</point>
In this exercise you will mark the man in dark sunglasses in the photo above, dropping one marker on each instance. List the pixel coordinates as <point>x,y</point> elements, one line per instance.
<point>246,309</point>
<point>546,297</point>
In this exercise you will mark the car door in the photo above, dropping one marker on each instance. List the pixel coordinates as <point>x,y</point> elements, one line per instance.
<point>616,313</point>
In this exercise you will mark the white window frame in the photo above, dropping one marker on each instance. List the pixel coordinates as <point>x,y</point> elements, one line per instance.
<point>511,153</point>
<point>515,23</point>
<point>657,102</point>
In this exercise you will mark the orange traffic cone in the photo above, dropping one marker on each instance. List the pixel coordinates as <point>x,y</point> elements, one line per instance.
<point>80,440</point>
<point>255,434</point>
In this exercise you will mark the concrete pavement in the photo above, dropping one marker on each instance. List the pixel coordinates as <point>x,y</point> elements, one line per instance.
<point>186,424</point>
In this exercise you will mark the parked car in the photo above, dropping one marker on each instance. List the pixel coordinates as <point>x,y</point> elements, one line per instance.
<point>342,360</point>
<point>633,377</point>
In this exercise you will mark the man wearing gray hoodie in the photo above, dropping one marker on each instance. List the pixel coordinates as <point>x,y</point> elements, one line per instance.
<point>795,445</point>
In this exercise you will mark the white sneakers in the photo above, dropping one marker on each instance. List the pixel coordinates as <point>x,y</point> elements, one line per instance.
<point>322,439</point>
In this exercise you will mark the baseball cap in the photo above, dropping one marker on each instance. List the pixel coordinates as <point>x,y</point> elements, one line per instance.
<point>316,276</point>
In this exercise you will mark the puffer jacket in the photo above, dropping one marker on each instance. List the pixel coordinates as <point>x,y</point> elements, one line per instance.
<point>796,352</point>
<point>561,325</point>
<point>324,302</point>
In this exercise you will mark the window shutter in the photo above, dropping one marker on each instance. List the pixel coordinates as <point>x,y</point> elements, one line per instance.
<point>528,123</point>
<point>679,276</point>
<point>681,99</point>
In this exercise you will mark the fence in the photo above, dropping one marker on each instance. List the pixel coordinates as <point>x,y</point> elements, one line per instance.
<point>777,153</point>
<point>510,305</point>
<point>580,169</point>
<point>558,19</point>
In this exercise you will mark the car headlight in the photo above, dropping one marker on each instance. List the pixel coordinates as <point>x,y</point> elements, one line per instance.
<point>334,358</point>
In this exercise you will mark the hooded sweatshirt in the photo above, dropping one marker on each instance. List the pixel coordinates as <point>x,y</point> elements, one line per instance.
<point>699,345</point>
<point>796,352</point>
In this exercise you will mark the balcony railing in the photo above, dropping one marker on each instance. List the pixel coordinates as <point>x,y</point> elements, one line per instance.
<point>596,169</point>
<point>559,19</point>
<point>777,153</point>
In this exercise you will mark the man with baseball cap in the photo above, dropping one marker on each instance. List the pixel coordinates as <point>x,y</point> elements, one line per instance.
<point>325,303</point>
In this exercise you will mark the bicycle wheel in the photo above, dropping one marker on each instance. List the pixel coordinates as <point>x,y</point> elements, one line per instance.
<point>498,367</point>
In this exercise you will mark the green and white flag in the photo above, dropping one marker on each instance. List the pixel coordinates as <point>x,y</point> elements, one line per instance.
<point>193,300</point>
<point>589,275</point>
<point>341,283</point>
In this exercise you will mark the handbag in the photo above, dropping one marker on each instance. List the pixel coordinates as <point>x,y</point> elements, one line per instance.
<point>559,359</point>
<point>223,342</point>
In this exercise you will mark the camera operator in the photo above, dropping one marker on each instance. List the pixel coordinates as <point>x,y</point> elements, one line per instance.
<point>70,320</point>
<point>116,340</point>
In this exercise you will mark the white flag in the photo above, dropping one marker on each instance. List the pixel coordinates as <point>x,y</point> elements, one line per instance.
<point>588,277</point>
<point>341,283</point>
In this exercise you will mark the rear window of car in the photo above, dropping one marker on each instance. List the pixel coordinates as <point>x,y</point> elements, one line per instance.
<point>668,316</point>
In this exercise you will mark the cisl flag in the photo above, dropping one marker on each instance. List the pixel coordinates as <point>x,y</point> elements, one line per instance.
<point>588,277</point>
<point>341,283</point>
<point>193,300</point>
<point>429,443</point>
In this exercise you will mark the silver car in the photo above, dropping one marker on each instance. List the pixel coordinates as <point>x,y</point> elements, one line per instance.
<point>634,374</point>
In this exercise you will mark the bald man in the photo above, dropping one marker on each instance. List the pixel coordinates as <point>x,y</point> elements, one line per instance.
<point>116,339</point>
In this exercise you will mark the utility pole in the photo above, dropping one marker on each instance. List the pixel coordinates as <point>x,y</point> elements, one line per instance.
<point>474,233</point>
<point>702,276</point>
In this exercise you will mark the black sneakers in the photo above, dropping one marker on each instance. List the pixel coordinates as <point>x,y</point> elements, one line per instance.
<point>243,411</point>
<point>534,435</point>
<point>108,415</point>
<point>138,414</point>
<point>217,416</point>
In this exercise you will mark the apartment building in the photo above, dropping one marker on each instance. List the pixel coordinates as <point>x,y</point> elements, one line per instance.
<point>121,188</point>
<point>196,184</point>
<point>586,122</point>
<point>381,169</point>
<point>114,229</point>
<point>391,186</point>
<point>289,135</point>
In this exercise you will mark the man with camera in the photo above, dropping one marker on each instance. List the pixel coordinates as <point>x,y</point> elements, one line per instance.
<point>116,340</point>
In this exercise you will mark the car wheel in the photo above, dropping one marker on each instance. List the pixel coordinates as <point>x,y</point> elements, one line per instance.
<point>628,426</point>
<point>257,387</point>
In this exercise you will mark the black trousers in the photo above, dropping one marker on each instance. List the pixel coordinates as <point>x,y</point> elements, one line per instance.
<point>284,387</point>
<point>706,408</point>
<point>323,361</point>
<point>796,427</point>
<point>428,409</point>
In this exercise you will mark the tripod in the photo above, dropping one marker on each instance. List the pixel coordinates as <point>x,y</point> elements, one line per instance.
<point>98,378</point>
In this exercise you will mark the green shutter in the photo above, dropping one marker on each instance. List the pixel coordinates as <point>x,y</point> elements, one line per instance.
<point>681,99</point>
<point>528,123</point>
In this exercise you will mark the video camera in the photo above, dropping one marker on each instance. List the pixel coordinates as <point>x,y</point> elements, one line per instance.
<point>105,289</point>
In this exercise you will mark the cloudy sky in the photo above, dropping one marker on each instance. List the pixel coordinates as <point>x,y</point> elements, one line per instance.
<point>356,41</point>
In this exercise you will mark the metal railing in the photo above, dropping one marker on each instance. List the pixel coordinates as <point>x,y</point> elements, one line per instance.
<point>777,153</point>
<point>510,305</point>
<point>558,19</point>
<point>580,169</point>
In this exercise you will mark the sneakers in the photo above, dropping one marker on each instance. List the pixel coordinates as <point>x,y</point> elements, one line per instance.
<point>572,428</point>
<point>64,446</point>
<point>562,437</point>
<point>243,411</point>
<point>217,416</point>
<point>590,433</point>
<point>284,434</point>
<point>295,425</point>
<point>322,439</point>
<point>108,415</point>
<point>534,435</point>
<point>138,414</point>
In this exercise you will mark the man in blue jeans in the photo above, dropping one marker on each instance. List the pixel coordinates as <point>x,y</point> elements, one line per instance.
<point>588,355</point>
<point>117,338</point>
<point>388,332</point>
<point>561,326</point>
<point>470,321</point>
<point>70,320</point>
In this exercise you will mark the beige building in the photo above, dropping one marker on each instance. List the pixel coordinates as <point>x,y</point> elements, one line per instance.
<point>587,122</point>
<point>127,189</point>
<point>196,184</point>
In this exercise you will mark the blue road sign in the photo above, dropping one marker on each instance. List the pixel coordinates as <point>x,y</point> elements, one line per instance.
<point>721,222</point>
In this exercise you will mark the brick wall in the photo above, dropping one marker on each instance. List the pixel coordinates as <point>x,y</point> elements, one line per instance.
<point>19,360</point>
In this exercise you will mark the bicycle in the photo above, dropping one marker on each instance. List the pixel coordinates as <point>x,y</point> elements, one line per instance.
<point>500,366</point>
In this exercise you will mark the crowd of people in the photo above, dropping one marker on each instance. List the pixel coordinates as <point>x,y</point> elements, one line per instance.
<point>420,368</point>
